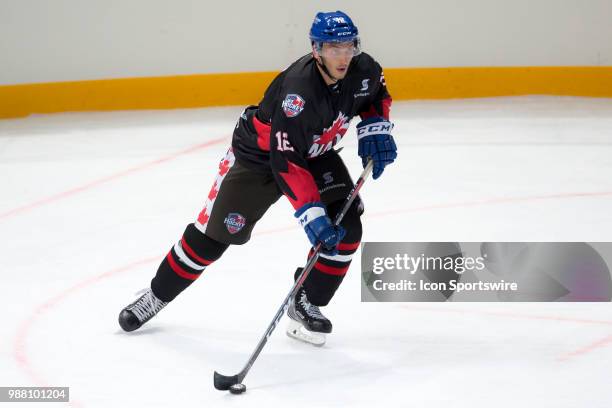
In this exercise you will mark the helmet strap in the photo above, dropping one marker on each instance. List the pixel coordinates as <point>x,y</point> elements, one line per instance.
<point>321,64</point>
<point>324,68</point>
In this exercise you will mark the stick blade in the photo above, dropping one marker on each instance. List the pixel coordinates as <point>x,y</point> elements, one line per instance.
<point>224,382</point>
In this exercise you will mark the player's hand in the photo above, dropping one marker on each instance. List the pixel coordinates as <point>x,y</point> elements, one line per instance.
<point>375,141</point>
<point>319,228</point>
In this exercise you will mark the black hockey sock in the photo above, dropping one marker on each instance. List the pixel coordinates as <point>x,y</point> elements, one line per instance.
<point>329,271</point>
<point>185,262</point>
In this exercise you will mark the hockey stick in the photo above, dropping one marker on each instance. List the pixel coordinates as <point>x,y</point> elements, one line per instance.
<point>224,382</point>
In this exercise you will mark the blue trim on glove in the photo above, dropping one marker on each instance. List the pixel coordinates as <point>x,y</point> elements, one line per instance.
<point>319,228</point>
<point>376,141</point>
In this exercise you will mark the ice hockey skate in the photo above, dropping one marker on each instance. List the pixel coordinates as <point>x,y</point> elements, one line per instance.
<point>306,322</point>
<point>134,315</point>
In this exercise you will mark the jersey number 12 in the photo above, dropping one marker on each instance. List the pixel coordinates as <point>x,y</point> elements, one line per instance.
<point>283,142</point>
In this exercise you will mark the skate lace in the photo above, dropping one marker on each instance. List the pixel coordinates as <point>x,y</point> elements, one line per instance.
<point>310,309</point>
<point>148,305</point>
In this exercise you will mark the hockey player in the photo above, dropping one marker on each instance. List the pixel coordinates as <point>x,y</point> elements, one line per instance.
<point>285,146</point>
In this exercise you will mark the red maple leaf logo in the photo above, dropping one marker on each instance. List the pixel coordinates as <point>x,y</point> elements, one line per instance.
<point>212,194</point>
<point>337,129</point>
<point>224,167</point>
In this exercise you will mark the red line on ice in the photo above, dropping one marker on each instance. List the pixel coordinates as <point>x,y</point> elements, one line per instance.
<point>501,200</point>
<point>492,201</point>
<point>20,346</point>
<point>96,183</point>
<point>606,341</point>
<point>20,343</point>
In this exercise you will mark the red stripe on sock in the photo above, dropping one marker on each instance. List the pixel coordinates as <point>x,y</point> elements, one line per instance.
<point>331,270</point>
<point>180,271</point>
<point>348,246</point>
<point>192,253</point>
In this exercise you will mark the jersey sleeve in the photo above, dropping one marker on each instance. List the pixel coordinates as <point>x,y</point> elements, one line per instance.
<point>289,147</point>
<point>381,101</point>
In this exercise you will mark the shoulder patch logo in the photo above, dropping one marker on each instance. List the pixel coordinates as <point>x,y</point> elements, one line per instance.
<point>293,105</point>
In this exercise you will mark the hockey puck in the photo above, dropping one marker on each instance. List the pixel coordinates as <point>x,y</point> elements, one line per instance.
<point>237,388</point>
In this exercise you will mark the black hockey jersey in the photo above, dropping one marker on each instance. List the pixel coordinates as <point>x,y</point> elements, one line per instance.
<point>301,118</point>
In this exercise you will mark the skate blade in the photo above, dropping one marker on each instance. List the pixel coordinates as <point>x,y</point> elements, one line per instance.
<point>297,331</point>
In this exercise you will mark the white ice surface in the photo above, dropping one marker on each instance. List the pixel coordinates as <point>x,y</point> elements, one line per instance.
<point>90,203</point>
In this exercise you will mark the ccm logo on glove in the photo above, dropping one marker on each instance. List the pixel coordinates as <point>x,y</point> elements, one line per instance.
<point>375,129</point>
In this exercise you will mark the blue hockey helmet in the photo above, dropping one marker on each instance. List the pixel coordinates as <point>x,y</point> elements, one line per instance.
<point>334,26</point>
